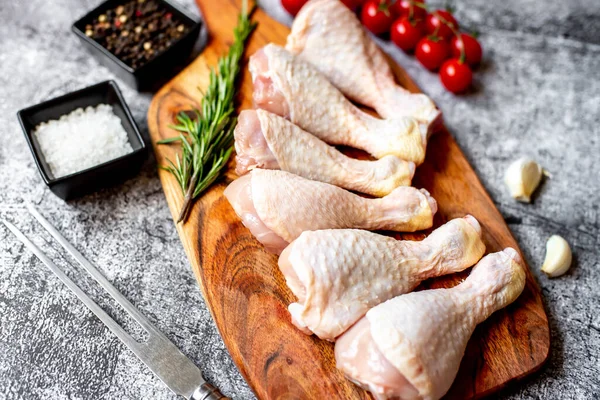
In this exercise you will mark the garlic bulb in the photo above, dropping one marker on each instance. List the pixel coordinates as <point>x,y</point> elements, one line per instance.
<point>522,178</point>
<point>558,257</point>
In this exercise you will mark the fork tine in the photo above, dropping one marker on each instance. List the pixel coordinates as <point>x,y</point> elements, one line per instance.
<point>91,269</point>
<point>99,312</point>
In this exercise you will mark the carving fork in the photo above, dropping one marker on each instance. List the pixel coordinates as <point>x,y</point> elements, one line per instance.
<point>159,354</point>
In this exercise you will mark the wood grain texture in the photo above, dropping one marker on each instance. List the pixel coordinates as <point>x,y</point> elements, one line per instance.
<point>247,294</point>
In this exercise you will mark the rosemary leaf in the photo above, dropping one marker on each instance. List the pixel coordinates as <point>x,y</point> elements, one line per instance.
<point>207,139</point>
<point>169,140</point>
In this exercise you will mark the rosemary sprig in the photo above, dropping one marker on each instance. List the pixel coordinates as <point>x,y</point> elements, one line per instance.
<point>207,138</point>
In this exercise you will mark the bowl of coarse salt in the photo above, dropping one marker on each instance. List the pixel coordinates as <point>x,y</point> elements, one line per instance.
<point>84,141</point>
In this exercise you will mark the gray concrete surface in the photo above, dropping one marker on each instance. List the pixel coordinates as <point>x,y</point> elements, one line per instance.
<point>537,94</point>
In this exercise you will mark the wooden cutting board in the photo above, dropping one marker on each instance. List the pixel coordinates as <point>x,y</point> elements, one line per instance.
<point>246,293</point>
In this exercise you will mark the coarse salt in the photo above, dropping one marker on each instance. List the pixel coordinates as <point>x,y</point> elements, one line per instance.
<point>82,139</point>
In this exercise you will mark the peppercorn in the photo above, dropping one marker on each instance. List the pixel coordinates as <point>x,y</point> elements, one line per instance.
<point>136,30</point>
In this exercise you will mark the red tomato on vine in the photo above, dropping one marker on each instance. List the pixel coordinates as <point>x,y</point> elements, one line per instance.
<point>409,8</point>
<point>473,51</point>
<point>456,76</point>
<point>406,33</point>
<point>432,52</point>
<point>441,23</point>
<point>376,16</point>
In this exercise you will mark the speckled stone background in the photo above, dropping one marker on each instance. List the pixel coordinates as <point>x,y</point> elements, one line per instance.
<point>537,94</point>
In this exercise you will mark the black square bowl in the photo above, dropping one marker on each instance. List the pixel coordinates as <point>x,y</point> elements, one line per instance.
<point>97,177</point>
<point>159,69</point>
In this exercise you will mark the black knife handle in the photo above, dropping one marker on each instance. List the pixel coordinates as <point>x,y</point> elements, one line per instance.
<point>208,392</point>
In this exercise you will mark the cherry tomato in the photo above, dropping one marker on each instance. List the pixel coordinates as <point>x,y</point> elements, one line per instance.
<point>402,8</point>
<point>438,21</point>
<point>456,76</point>
<point>432,52</point>
<point>473,50</point>
<point>293,6</point>
<point>353,4</point>
<point>376,16</point>
<point>406,33</point>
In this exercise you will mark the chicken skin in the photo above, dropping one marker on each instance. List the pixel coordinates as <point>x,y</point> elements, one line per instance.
<point>265,140</point>
<point>278,206</point>
<point>410,347</point>
<point>290,87</point>
<point>329,36</point>
<point>338,275</point>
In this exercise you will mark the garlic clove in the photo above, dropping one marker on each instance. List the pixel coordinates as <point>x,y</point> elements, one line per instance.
<point>558,257</point>
<point>522,178</point>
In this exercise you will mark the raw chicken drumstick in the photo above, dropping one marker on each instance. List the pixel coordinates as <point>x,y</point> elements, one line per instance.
<point>288,86</point>
<point>266,140</point>
<point>278,206</point>
<point>411,347</point>
<point>338,275</point>
<point>330,37</point>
